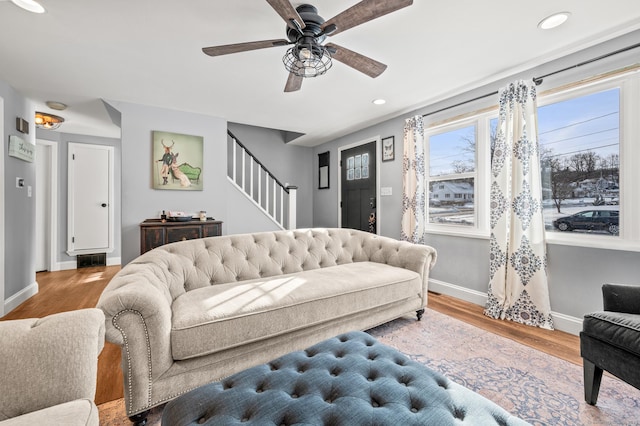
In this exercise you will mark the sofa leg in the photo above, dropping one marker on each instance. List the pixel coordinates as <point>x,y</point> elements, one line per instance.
<point>139,419</point>
<point>592,379</point>
<point>419,314</point>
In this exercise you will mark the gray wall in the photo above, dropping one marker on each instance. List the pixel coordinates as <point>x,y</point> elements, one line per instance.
<point>19,210</point>
<point>63,140</point>
<point>575,273</point>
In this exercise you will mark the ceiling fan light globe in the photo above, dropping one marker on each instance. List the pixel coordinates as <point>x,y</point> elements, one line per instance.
<point>307,62</point>
<point>304,54</point>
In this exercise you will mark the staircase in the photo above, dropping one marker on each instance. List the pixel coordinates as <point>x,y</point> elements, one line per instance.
<point>259,185</point>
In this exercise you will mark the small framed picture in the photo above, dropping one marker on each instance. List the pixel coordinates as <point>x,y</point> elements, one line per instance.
<point>388,148</point>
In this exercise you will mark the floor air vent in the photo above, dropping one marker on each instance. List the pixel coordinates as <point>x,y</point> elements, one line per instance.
<point>95,259</point>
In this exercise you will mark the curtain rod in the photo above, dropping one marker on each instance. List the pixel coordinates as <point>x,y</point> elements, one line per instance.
<point>538,80</point>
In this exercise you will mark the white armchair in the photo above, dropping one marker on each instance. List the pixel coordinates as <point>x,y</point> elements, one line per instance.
<point>49,369</point>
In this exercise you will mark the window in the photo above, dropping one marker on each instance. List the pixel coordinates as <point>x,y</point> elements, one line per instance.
<point>580,160</point>
<point>358,167</point>
<point>452,175</point>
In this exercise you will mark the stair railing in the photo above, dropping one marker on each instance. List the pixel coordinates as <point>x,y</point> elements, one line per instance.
<point>259,185</point>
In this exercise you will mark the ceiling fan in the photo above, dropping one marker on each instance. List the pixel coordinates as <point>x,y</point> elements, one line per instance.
<point>306,31</point>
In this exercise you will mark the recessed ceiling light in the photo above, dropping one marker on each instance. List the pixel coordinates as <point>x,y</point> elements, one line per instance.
<point>30,5</point>
<point>56,105</point>
<point>554,20</point>
<point>379,101</point>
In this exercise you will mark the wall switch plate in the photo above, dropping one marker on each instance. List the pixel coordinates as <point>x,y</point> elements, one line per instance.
<point>386,190</point>
<point>29,191</point>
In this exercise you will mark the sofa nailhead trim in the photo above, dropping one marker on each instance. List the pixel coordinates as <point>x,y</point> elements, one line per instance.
<point>126,346</point>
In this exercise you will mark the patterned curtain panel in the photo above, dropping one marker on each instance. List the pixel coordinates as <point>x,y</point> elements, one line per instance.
<point>414,213</point>
<point>518,289</point>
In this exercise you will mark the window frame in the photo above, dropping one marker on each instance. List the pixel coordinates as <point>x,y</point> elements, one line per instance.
<point>628,83</point>
<point>480,228</point>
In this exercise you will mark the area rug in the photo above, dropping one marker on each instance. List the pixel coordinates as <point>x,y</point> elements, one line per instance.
<point>539,388</point>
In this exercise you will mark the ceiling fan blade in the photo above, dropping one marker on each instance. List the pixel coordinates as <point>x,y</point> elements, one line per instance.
<point>294,83</point>
<point>287,12</point>
<point>356,61</point>
<point>243,47</point>
<point>364,11</point>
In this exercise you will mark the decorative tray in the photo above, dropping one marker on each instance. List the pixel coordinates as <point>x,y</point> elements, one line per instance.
<point>179,218</point>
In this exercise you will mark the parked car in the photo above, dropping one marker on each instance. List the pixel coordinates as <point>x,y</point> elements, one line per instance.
<point>591,220</point>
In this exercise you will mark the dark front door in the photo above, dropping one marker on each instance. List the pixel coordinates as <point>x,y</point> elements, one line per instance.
<point>358,183</point>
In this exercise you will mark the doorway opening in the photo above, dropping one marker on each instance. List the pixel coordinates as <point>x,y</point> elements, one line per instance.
<point>46,205</point>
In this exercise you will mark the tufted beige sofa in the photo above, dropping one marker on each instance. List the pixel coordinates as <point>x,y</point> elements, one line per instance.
<point>193,312</point>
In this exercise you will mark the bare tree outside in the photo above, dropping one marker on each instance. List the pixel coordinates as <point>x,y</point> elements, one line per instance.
<point>556,176</point>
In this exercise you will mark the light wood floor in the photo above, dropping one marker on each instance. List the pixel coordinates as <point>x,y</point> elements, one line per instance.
<point>76,289</point>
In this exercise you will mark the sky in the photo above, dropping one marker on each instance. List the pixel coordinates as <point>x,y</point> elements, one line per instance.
<point>445,148</point>
<point>581,124</point>
<point>568,127</point>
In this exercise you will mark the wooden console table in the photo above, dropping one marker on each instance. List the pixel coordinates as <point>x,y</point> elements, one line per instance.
<point>154,232</point>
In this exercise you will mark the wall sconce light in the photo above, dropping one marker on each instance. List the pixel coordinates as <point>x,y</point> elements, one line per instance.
<point>22,125</point>
<point>48,121</point>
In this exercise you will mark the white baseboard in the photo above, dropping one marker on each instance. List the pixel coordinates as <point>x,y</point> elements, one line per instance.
<point>458,292</point>
<point>64,266</point>
<point>12,302</point>
<point>562,322</point>
<point>567,323</point>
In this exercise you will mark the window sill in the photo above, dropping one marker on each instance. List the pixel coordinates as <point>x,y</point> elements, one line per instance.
<point>604,242</point>
<point>592,241</point>
<point>458,231</point>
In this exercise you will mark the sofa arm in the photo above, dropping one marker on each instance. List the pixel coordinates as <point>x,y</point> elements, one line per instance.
<point>138,319</point>
<point>621,298</point>
<point>137,308</point>
<point>49,361</point>
<point>402,254</point>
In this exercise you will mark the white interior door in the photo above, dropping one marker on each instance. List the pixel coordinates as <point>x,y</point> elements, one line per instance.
<point>90,222</point>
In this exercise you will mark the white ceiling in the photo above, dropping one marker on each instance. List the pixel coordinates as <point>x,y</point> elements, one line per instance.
<point>149,52</point>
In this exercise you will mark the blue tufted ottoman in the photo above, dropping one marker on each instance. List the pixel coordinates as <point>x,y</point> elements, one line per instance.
<point>349,380</point>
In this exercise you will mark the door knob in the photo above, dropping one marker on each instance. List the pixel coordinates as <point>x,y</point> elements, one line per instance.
<point>104,204</point>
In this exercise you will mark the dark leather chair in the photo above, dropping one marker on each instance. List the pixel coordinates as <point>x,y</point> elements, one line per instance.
<point>610,339</point>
